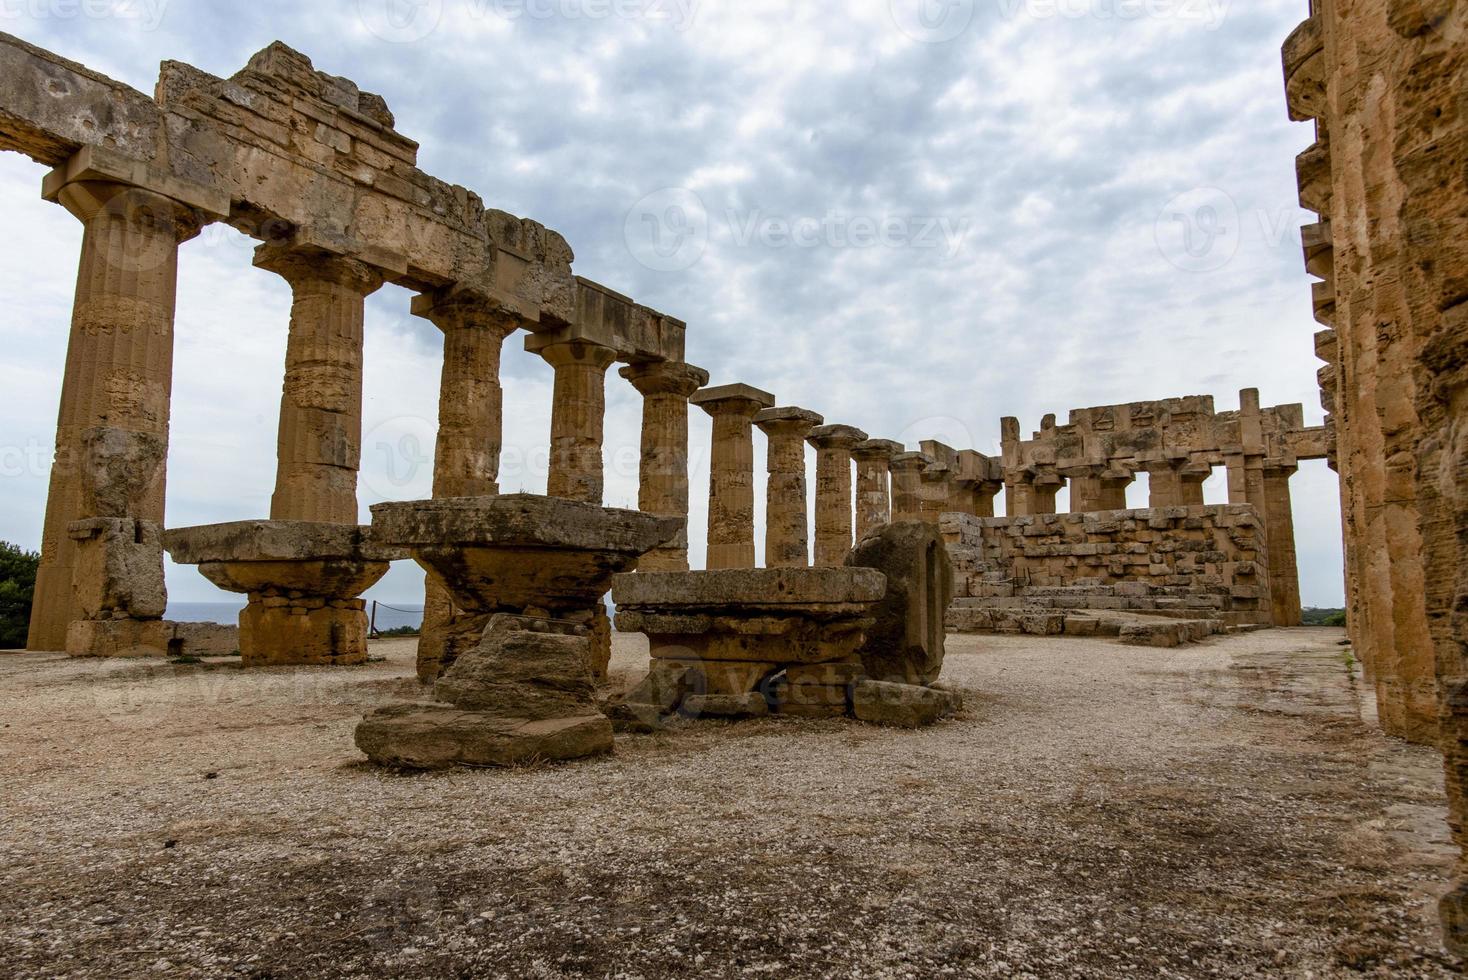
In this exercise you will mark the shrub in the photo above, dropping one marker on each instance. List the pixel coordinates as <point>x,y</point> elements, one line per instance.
<point>17,589</point>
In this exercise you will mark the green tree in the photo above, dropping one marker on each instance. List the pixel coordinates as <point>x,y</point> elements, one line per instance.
<point>17,588</point>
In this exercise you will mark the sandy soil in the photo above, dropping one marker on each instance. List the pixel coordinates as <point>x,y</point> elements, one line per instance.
<point>1098,810</point>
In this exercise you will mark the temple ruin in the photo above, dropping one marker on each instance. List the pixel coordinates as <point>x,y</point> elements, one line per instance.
<point>848,614</point>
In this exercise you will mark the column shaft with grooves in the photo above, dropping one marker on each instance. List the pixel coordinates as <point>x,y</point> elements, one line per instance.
<point>1284,572</point>
<point>907,486</point>
<point>834,504</point>
<point>119,365</point>
<point>320,444</point>
<point>578,417</point>
<point>873,479</point>
<point>663,473</point>
<point>731,464</point>
<point>786,522</point>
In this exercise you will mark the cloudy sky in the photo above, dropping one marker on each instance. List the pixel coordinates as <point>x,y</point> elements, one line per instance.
<point>914,216</point>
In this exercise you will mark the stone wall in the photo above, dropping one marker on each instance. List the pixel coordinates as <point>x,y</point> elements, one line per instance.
<point>1208,558</point>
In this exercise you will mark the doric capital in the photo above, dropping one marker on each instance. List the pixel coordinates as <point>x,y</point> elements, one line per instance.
<point>665,378</point>
<point>464,308</point>
<point>734,399</point>
<point>299,265</point>
<point>788,421</point>
<point>876,450</point>
<point>839,437</point>
<point>584,353</point>
<point>88,199</point>
<point>910,462</point>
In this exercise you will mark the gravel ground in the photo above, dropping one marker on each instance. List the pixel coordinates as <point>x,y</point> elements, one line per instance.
<point>1098,810</point>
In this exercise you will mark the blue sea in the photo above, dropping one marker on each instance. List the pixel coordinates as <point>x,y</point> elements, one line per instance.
<point>386,616</point>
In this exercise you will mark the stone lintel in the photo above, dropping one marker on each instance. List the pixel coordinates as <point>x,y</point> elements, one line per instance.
<point>302,250</point>
<point>276,541</point>
<point>735,399</point>
<point>520,520</point>
<point>491,299</point>
<point>609,319</point>
<point>911,462</point>
<point>96,163</point>
<point>845,437</point>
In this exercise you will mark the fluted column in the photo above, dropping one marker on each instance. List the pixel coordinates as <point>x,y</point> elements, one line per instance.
<point>119,366</point>
<point>907,485</point>
<point>320,442</point>
<point>663,476</point>
<point>731,463</point>
<point>1043,491</point>
<point>786,520</point>
<point>1113,489</point>
<point>834,522</point>
<point>873,479</point>
<point>937,490</point>
<point>466,456</point>
<point>1164,483</point>
<point>1085,487</point>
<point>1193,476</point>
<point>1284,573</point>
<point>577,418</point>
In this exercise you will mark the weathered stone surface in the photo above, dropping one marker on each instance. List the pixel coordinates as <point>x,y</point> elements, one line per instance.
<point>518,674</point>
<point>119,468</point>
<point>733,706</point>
<point>902,705</point>
<point>119,568</point>
<point>906,643</point>
<point>276,541</point>
<point>436,736</point>
<point>758,587</point>
<point>663,475</point>
<point>786,526</point>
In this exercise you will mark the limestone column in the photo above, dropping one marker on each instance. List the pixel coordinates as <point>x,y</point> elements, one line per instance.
<point>663,477</point>
<point>1019,495</point>
<point>1193,476</point>
<point>907,485</point>
<point>466,456</point>
<point>731,464</point>
<point>1043,491</point>
<point>786,524</point>
<point>984,493</point>
<point>1164,483</point>
<point>577,418</point>
<point>119,366</point>
<point>834,504</point>
<point>1284,573</point>
<point>320,442</point>
<point>1085,487</point>
<point>937,491</point>
<point>1113,489</point>
<point>873,478</point>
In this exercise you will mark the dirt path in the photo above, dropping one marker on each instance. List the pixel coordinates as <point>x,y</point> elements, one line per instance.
<point>1099,810</point>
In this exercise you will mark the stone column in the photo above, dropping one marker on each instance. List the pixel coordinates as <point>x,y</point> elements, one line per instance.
<point>577,419</point>
<point>786,524</point>
<point>466,458</point>
<point>119,367</point>
<point>834,504</point>
<point>731,464</point>
<point>907,485</point>
<point>320,443</point>
<point>937,491</point>
<point>1113,489</point>
<point>1019,494</point>
<point>1284,573</point>
<point>1043,491</point>
<point>1164,483</point>
<point>1085,487</point>
<point>873,477</point>
<point>1193,476</point>
<point>663,477</point>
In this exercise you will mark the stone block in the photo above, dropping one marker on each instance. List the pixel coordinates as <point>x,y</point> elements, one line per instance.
<point>902,705</point>
<point>907,641</point>
<point>437,736</point>
<point>730,706</point>
<point>118,638</point>
<point>521,674</point>
<point>118,568</point>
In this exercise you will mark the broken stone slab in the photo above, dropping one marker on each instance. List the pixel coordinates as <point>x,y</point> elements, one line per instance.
<point>521,674</point>
<point>118,568</point>
<point>438,736</point>
<point>902,705</point>
<point>906,644</point>
<point>748,587</point>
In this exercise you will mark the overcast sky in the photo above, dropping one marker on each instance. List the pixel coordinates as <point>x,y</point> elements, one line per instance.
<point>913,216</point>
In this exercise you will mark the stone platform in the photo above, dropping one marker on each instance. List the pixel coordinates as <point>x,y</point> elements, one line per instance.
<point>303,580</point>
